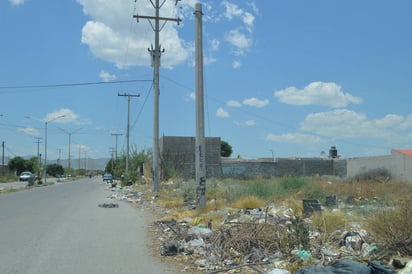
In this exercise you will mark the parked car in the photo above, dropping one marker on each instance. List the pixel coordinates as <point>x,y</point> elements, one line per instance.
<point>26,176</point>
<point>107,177</point>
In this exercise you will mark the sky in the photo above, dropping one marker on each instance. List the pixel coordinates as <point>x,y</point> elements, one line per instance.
<point>281,78</point>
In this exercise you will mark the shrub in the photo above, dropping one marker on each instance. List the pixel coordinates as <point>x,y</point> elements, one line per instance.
<point>329,221</point>
<point>293,183</point>
<point>260,189</point>
<point>188,190</point>
<point>378,174</point>
<point>392,227</point>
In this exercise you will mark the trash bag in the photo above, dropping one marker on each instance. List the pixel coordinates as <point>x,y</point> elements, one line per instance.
<point>350,267</point>
<point>338,267</point>
<point>378,268</point>
<point>315,270</point>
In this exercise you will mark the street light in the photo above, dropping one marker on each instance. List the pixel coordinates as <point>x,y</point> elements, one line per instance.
<point>70,140</point>
<point>45,145</point>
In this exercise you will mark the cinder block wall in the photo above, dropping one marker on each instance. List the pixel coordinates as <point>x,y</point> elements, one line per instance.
<point>233,168</point>
<point>243,169</point>
<point>178,153</point>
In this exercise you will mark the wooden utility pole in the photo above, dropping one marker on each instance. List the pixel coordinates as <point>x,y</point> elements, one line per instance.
<point>200,149</point>
<point>128,128</point>
<point>156,53</point>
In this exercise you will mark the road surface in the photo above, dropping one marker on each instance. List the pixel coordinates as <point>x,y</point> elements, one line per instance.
<point>61,229</point>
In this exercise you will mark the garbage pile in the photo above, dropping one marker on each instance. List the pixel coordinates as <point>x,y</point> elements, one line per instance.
<point>270,241</point>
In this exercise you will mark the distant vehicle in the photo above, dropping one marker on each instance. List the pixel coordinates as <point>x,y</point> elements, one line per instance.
<point>26,176</point>
<point>107,177</point>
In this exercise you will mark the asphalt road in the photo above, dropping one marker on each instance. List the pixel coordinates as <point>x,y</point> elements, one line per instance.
<point>60,229</point>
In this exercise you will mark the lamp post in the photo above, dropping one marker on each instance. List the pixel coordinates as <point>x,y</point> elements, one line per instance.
<point>45,145</point>
<point>70,140</point>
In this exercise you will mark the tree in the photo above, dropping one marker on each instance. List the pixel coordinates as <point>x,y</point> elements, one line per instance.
<point>19,164</point>
<point>225,149</point>
<point>55,170</point>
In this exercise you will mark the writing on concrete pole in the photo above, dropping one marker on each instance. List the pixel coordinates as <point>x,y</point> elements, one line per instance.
<point>200,149</point>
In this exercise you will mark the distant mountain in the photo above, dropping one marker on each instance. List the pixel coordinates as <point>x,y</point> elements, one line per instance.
<point>85,163</point>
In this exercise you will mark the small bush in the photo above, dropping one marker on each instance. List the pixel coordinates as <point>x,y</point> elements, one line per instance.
<point>392,227</point>
<point>260,189</point>
<point>378,174</point>
<point>188,190</point>
<point>290,184</point>
<point>329,221</point>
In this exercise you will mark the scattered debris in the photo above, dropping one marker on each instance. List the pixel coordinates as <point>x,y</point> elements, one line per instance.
<point>109,205</point>
<point>267,240</point>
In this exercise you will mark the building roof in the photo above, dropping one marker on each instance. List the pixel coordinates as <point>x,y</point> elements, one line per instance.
<point>406,152</point>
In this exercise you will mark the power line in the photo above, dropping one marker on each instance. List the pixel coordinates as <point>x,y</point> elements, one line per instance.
<point>75,84</point>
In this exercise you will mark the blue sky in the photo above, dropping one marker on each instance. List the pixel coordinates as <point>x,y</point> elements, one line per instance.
<point>282,78</point>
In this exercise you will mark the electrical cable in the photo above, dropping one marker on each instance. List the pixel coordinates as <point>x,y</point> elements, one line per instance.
<point>74,84</point>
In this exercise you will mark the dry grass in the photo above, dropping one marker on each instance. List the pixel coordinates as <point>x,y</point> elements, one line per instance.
<point>392,226</point>
<point>248,202</point>
<point>330,221</point>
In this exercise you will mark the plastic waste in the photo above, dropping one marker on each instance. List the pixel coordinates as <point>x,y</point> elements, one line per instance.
<point>304,255</point>
<point>279,271</point>
<point>407,269</point>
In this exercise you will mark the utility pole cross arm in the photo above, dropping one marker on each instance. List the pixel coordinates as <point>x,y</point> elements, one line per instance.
<point>178,20</point>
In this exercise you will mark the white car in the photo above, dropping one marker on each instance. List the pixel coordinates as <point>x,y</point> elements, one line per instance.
<point>26,175</point>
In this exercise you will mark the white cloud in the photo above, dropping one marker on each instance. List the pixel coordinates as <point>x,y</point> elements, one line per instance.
<point>190,97</point>
<point>30,131</point>
<point>207,60</point>
<point>117,38</point>
<point>248,19</point>
<point>325,127</point>
<point>317,93</point>
<point>239,40</point>
<point>214,44</point>
<point>247,123</point>
<point>233,10</point>
<point>107,77</point>
<point>109,37</point>
<point>64,116</point>
<point>236,64</point>
<point>295,138</point>
<point>16,2</point>
<point>254,102</point>
<point>233,103</point>
<point>344,123</point>
<point>222,113</point>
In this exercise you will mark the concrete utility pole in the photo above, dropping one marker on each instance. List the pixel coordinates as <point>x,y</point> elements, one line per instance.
<point>45,145</point>
<point>156,53</point>
<point>78,163</point>
<point>70,141</point>
<point>116,135</point>
<point>112,150</point>
<point>60,155</point>
<point>128,127</point>
<point>38,151</point>
<point>2,157</point>
<point>200,149</point>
